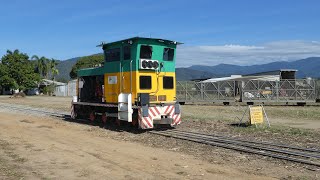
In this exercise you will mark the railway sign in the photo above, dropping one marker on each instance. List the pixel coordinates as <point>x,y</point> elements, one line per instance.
<point>256,115</point>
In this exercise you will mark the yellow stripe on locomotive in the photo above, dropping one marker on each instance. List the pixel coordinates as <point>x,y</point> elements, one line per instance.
<point>141,82</point>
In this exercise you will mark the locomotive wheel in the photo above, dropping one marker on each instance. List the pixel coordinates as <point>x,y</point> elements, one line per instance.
<point>134,122</point>
<point>104,118</point>
<point>118,122</point>
<point>92,116</point>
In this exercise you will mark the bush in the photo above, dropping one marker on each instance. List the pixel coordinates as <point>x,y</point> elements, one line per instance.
<point>48,89</point>
<point>19,94</point>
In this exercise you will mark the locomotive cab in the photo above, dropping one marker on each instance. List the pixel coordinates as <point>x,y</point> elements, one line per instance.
<point>137,83</point>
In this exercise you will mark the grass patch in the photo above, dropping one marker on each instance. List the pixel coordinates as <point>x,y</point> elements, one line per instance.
<point>277,129</point>
<point>294,113</point>
<point>228,114</point>
<point>207,113</point>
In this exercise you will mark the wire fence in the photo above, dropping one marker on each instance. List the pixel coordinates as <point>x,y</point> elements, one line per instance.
<point>318,90</point>
<point>232,91</point>
<point>299,90</point>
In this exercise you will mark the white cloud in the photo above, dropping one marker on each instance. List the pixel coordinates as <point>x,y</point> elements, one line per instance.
<point>246,55</point>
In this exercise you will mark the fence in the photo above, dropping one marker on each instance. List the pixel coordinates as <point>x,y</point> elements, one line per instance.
<point>318,90</point>
<point>302,90</point>
<point>66,90</point>
<point>223,91</point>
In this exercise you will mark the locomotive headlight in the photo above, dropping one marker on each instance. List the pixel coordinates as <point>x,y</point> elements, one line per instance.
<point>150,64</point>
<point>144,64</point>
<point>155,64</point>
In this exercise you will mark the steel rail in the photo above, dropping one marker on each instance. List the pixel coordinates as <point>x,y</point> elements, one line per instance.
<point>54,114</point>
<point>249,145</point>
<point>242,149</point>
<point>256,142</point>
<point>208,139</point>
<point>35,110</point>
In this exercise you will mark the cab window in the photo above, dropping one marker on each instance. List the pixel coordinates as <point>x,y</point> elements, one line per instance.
<point>145,82</point>
<point>112,54</point>
<point>167,82</point>
<point>168,54</point>
<point>126,53</point>
<point>145,52</point>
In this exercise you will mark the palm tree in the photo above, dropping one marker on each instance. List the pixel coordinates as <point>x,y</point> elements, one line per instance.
<point>38,64</point>
<point>45,65</point>
<point>42,65</point>
<point>54,71</point>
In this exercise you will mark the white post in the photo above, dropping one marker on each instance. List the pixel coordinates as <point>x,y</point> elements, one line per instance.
<point>265,115</point>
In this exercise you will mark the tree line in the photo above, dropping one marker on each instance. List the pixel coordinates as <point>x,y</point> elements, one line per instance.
<point>18,71</point>
<point>86,62</point>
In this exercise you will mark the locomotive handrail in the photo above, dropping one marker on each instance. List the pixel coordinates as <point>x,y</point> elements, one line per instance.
<point>120,77</point>
<point>121,74</point>
<point>131,76</point>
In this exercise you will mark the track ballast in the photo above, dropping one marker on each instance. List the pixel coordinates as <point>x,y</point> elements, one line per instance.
<point>279,151</point>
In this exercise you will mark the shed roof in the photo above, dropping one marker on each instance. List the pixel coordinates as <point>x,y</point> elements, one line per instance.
<point>274,72</point>
<point>244,78</point>
<point>47,82</point>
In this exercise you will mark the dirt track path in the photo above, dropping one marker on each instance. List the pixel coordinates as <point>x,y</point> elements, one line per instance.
<point>38,147</point>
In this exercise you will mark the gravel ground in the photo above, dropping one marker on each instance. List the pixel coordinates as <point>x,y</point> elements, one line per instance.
<point>248,163</point>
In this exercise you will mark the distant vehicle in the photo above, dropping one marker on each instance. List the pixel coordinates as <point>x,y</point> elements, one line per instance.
<point>9,91</point>
<point>34,91</point>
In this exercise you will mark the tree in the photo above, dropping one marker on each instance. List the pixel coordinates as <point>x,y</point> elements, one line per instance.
<point>17,72</point>
<point>42,65</point>
<point>86,62</point>
<point>45,67</point>
<point>53,68</point>
<point>5,80</point>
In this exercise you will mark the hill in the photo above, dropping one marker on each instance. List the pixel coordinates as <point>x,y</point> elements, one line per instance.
<point>308,67</point>
<point>64,68</point>
<point>184,74</point>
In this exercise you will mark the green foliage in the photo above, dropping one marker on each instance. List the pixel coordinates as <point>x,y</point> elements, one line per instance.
<point>48,89</point>
<point>65,68</point>
<point>86,62</point>
<point>41,65</point>
<point>17,72</point>
<point>6,81</point>
<point>45,67</point>
<point>53,68</point>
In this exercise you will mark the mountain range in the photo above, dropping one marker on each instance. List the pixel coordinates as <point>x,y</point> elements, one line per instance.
<point>309,67</point>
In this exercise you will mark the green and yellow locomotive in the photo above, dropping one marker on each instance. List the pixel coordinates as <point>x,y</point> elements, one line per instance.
<point>136,84</point>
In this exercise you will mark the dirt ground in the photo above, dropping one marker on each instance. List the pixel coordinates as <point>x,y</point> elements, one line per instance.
<point>307,117</point>
<point>37,147</point>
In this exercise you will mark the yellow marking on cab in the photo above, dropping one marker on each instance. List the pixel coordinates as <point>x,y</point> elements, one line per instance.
<point>156,89</point>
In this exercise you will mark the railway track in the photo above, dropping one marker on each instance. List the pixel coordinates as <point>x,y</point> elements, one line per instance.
<point>306,156</point>
<point>278,151</point>
<point>35,111</point>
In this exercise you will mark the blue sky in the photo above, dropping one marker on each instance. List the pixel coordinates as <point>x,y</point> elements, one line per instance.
<point>227,31</point>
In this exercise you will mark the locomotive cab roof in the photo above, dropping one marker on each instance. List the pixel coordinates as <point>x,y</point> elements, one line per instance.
<point>116,53</point>
<point>133,39</point>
